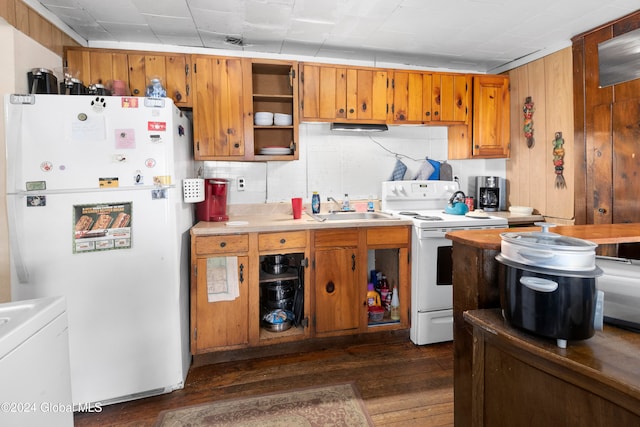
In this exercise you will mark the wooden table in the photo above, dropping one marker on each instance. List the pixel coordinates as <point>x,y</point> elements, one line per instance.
<point>521,379</point>
<point>475,286</point>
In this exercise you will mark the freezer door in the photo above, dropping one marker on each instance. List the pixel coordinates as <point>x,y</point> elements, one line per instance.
<point>126,305</point>
<point>86,142</point>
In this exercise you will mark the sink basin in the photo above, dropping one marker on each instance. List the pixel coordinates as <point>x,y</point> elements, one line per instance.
<point>351,216</point>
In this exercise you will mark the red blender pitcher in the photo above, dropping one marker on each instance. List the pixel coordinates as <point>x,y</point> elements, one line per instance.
<point>214,206</point>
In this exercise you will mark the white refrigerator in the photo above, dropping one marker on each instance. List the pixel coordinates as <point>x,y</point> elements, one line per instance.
<point>96,214</point>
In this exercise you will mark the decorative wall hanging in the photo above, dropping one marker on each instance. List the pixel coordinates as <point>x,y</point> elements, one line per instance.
<point>558,160</point>
<point>528,121</point>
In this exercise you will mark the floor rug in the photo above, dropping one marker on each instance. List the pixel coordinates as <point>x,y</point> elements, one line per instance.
<point>333,405</point>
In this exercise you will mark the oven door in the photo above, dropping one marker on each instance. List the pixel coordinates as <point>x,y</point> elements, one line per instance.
<point>431,273</point>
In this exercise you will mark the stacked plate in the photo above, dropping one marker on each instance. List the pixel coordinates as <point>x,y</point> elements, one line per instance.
<point>275,151</point>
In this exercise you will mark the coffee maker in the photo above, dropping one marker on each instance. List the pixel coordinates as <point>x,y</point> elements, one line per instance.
<point>491,193</point>
<point>214,206</point>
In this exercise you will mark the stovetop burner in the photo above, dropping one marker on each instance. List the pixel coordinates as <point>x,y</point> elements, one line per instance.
<point>408,213</point>
<point>428,218</point>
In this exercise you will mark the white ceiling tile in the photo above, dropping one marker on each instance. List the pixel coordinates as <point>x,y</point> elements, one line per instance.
<point>452,33</point>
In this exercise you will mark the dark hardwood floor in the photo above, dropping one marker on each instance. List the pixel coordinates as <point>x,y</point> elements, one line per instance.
<point>401,384</point>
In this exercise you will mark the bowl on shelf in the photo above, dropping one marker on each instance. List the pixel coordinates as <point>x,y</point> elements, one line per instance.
<point>521,210</point>
<point>280,119</point>
<point>263,118</point>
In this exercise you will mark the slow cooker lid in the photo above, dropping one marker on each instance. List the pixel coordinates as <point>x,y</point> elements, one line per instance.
<point>547,240</point>
<point>590,273</point>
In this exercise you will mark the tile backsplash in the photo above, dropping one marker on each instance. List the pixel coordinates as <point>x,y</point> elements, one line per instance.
<point>335,163</point>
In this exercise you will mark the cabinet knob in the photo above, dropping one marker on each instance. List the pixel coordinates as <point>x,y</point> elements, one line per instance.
<point>351,111</point>
<point>178,96</point>
<point>428,113</point>
<point>223,244</point>
<point>236,145</point>
<point>283,241</point>
<point>602,211</point>
<point>435,114</point>
<point>330,288</point>
<point>401,117</point>
<point>364,106</point>
<point>341,111</point>
<point>136,91</point>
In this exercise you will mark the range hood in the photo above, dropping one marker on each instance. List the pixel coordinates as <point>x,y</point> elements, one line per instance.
<point>359,127</point>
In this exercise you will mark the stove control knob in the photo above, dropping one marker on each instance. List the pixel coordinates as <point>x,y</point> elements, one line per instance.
<point>400,189</point>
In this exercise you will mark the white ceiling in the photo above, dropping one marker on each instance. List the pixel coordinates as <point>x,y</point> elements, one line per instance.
<point>476,35</point>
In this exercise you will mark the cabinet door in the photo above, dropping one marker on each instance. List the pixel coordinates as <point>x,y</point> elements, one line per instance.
<point>336,290</point>
<point>217,108</point>
<point>491,112</point>
<point>222,323</point>
<point>172,70</point>
<point>450,98</point>
<point>335,93</point>
<point>324,91</point>
<point>367,95</point>
<point>93,67</point>
<point>411,97</point>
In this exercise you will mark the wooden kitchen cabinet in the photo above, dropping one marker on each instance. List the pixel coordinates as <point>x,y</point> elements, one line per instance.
<point>97,66</point>
<point>136,69</point>
<point>218,110</point>
<point>388,251</point>
<point>341,273</point>
<point>343,94</point>
<point>172,69</point>
<point>293,244</point>
<point>420,98</point>
<point>221,324</point>
<point>338,294</point>
<point>487,135</point>
<point>270,86</point>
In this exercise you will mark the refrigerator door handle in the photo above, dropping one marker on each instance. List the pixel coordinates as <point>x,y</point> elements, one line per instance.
<point>14,240</point>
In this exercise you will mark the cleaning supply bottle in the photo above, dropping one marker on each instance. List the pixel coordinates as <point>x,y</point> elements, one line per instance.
<point>395,305</point>
<point>385,297</point>
<point>345,203</point>
<point>315,203</point>
<point>373,297</point>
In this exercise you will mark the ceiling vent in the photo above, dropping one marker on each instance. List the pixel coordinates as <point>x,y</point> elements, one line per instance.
<point>235,41</point>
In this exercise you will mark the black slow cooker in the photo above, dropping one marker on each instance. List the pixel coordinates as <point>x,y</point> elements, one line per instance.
<point>548,284</point>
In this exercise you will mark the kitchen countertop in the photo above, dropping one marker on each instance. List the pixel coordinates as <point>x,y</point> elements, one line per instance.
<point>282,221</point>
<point>518,219</point>
<point>601,234</point>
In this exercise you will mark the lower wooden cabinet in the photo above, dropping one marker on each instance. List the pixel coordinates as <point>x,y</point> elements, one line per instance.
<point>336,272</point>
<point>335,264</point>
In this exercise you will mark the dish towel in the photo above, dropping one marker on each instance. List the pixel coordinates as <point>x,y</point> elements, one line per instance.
<point>425,171</point>
<point>436,169</point>
<point>222,279</point>
<point>398,171</point>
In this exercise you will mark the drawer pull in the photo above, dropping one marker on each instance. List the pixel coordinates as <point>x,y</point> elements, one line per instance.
<point>283,241</point>
<point>223,244</point>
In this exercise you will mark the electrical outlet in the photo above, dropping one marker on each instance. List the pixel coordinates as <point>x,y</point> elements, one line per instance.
<point>241,183</point>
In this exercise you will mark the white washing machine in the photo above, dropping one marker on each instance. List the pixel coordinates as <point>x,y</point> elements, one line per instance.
<point>34,363</point>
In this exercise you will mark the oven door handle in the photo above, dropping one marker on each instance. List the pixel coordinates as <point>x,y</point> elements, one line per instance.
<point>432,234</point>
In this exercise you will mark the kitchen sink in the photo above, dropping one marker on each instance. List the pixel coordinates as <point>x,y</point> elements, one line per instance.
<point>353,216</point>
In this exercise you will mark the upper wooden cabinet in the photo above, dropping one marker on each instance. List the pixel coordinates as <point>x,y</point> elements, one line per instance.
<point>487,135</point>
<point>420,97</point>
<point>172,69</point>
<point>339,93</point>
<point>270,86</point>
<point>135,68</point>
<point>97,66</point>
<point>218,111</point>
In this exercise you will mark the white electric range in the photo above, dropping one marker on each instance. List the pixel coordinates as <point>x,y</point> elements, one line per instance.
<point>431,265</point>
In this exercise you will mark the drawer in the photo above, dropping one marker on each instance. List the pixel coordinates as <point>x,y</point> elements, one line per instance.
<point>222,244</point>
<point>336,237</point>
<point>388,235</point>
<point>282,240</point>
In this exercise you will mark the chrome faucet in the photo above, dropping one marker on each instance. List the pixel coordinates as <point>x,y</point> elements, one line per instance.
<point>331,199</point>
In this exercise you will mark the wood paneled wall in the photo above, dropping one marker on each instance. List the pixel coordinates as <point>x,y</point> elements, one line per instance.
<point>530,171</point>
<point>607,133</point>
<point>31,23</point>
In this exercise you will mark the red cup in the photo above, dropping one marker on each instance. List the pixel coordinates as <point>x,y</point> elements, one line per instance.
<point>296,205</point>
